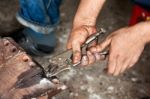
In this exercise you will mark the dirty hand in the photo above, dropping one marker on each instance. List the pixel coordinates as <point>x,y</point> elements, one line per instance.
<point>77,37</point>
<point>125,47</point>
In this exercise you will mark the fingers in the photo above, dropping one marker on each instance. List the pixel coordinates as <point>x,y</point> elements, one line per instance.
<point>130,62</point>
<point>125,65</point>
<point>78,32</point>
<point>94,53</point>
<point>84,60</point>
<point>112,63</point>
<point>88,59</point>
<point>117,65</point>
<point>97,56</point>
<point>133,61</point>
<point>76,52</point>
<point>120,63</point>
<point>77,38</point>
<point>102,46</point>
<point>69,45</point>
<point>91,57</point>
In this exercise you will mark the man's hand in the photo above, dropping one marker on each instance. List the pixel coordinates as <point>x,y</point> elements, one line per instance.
<point>77,37</point>
<point>83,25</point>
<point>125,47</point>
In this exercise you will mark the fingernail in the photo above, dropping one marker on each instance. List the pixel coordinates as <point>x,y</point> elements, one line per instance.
<point>56,81</point>
<point>84,60</point>
<point>115,74</point>
<point>89,53</point>
<point>97,56</point>
<point>91,57</point>
<point>76,57</point>
<point>110,72</point>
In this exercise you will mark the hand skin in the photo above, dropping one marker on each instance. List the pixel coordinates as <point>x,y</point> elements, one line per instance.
<point>125,47</point>
<point>83,25</point>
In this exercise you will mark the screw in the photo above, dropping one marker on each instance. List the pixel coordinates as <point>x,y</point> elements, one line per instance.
<point>25,58</point>
<point>14,49</point>
<point>6,43</point>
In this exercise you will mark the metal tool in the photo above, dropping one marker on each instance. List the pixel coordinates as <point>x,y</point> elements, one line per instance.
<point>63,61</point>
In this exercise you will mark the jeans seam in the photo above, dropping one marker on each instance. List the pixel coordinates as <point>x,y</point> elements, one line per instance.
<point>45,12</point>
<point>35,27</point>
<point>33,22</point>
<point>49,4</point>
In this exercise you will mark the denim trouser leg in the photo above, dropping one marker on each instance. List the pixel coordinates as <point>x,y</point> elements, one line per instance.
<point>39,15</point>
<point>40,18</point>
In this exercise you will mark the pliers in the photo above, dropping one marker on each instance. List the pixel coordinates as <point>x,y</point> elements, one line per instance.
<point>63,61</point>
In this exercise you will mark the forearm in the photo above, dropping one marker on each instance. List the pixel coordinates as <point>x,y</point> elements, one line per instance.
<point>87,12</point>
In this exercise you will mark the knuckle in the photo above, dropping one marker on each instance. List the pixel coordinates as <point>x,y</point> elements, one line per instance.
<point>99,47</point>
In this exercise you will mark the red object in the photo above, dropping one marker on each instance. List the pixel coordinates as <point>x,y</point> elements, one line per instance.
<point>139,14</point>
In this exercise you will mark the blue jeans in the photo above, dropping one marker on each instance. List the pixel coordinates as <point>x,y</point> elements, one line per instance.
<point>40,18</point>
<point>39,15</point>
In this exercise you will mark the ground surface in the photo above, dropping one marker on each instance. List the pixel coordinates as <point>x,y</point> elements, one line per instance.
<point>92,82</point>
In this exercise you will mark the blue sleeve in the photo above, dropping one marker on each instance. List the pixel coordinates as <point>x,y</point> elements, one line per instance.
<point>144,3</point>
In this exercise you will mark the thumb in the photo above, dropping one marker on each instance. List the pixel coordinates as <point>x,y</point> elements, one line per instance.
<point>69,45</point>
<point>76,52</point>
<point>102,46</point>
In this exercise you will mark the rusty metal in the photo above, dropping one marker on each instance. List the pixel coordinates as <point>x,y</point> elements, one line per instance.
<point>20,76</point>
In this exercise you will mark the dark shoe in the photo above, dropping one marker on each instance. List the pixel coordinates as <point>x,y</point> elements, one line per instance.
<point>36,43</point>
<point>147,97</point>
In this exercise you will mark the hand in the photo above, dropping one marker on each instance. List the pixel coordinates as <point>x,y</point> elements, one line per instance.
<point>125,48</point>
<point>77,37</point>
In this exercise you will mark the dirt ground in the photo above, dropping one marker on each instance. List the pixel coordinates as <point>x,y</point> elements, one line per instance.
<point>92,82</point>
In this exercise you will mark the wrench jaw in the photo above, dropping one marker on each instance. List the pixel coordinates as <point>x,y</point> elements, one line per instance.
<point>55,69</point>
<point>21,77</point>
<point>59,63</point>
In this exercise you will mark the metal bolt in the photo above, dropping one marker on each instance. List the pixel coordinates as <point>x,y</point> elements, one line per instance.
<point>13,49</point>
<point>25,58</point>
<point>6,43</point>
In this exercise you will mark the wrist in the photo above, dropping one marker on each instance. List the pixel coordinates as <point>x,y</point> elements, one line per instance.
<point>78,22</point>
<point>143,29</point>
<point>146,31</point>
